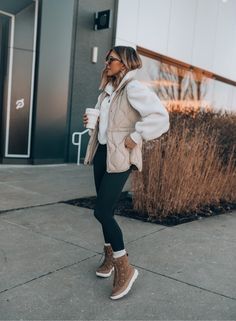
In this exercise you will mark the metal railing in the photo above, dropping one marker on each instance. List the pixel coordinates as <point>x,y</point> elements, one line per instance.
<point>78,143</point>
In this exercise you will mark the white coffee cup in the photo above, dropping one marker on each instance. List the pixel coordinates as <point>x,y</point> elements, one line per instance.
<point>92,114</point>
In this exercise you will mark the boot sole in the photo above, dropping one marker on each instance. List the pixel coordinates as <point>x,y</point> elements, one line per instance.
<point>126,291</point>
<point>105,275</point>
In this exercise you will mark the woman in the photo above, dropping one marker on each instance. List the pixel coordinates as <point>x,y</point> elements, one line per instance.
<point>129,113</point>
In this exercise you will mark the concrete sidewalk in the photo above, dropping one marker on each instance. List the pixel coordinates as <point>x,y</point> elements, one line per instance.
<point>49,252</point>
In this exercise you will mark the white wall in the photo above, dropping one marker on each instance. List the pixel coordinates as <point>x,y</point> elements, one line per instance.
<point>198,32</point>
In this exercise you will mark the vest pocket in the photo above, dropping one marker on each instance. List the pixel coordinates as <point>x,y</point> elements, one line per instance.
<point>121,158</point>
<point>118,154</point>
<point>136,156</point>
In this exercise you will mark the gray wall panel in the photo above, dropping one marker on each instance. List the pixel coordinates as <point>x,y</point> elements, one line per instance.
<point>86,75</point>
<point>50,130</point>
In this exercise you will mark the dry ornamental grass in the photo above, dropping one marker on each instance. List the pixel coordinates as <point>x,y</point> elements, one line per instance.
<point>191,166</point>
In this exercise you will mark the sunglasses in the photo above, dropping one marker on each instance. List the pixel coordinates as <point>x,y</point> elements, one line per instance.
<point>110,59</point>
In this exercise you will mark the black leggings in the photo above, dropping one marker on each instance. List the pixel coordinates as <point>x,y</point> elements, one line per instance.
<point>109,187</point>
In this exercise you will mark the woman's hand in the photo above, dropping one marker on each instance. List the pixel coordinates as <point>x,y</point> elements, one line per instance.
<point>85,120</point>
<point>129,143</point>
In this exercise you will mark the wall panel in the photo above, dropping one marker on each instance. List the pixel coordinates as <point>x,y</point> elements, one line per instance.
<point>205,34</point>
<point>127,20</point>
<point>225,48</point>
<point>181,33</point>
<point>153,23</point>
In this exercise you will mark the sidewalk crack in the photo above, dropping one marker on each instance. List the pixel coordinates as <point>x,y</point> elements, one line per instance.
<point>27,207</point>
<point>186,283</point>
<point>46,274</point>
<point>146,235</point>
<point>50,237</point>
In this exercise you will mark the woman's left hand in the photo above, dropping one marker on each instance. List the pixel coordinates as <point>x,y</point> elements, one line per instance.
<point>129,143</point>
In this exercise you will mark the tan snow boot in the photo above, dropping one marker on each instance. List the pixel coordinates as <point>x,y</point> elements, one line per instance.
<point>125,275</point>
<point>106,268</point>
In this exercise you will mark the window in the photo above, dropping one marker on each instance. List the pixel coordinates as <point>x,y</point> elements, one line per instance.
<point>182,87</point>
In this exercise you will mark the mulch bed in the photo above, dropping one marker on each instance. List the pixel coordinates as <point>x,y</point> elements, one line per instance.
<point>125,208</point>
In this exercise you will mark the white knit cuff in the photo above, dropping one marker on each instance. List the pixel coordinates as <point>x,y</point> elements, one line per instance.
<point>136,137</point>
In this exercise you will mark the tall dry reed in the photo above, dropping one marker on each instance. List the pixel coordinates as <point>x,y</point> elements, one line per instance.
<point>185,169</point>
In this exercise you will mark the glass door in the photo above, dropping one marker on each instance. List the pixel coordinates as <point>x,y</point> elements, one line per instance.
<point>17,80</point>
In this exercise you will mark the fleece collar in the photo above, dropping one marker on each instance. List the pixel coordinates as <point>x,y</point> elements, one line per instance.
<point>109,88</point>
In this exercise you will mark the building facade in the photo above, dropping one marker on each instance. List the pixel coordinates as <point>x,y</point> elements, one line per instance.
<point>188,48</point>
<point>51,58</point>
<point>47,76</point>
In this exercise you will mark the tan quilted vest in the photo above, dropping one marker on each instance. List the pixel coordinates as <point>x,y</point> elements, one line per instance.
<point>121,122</point>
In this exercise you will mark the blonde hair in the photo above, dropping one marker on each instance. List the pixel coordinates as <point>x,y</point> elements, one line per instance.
<point>131,60</point>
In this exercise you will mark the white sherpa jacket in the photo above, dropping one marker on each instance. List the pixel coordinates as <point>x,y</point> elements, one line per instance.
<point>134,110</point>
